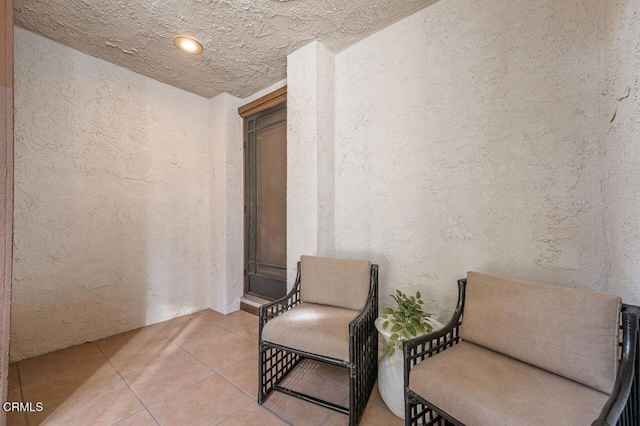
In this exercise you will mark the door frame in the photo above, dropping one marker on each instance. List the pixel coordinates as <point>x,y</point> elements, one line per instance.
<point>275,98</point>
<point>6,190</point>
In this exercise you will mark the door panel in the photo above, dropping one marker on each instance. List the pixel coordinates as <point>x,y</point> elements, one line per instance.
<point>266,191</point>
<point>271,188</point>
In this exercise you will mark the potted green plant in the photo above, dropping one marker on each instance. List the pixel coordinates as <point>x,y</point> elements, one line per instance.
<point>396,325</point>
<point>406,321</point>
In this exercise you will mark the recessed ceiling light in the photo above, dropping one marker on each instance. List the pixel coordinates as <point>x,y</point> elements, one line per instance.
<point>188,44</point>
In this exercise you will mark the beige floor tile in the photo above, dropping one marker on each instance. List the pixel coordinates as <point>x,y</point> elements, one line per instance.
<point>375,396</point>
<point>72,383</point>
<point>223,352</point>
<point>157,362</point>
<point>241,314</point>
<point>131,340</point>
<point>207,402</point>
<point>374,415</point>
<point>211,315</point>
<point>335,374</point>
<point>377,415</point>
<point>244,374</point>
<point>16,418</point>
<point>241,323</point>
<point>306,381</point>
<point>196,328</point>
<point>337,419</point>
<point>14,394</point>
<point>141,418</point>
<point>13,375</point>
<point>254,415</point>
<point>296,411</point>
<point>172,327</point>
<point>57,362</point>
<point>166,378</point>
<point>131,359</point>
<point>102,407</point>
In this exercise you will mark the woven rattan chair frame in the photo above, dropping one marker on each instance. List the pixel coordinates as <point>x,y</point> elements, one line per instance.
<point>622,408</point>
<point>276,361</point>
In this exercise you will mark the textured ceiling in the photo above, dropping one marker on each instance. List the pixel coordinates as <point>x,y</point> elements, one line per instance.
<point>246,41</point>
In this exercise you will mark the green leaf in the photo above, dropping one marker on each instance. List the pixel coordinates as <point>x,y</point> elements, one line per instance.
<point>394,336</point>
<point>418,294</point>
<point>385,325</point>
<point>396,327</point>
<point>387,311</point>
<point>391,351</point>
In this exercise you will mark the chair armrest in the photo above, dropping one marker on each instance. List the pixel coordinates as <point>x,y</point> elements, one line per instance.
<point>421,347</point>
<point>626,385</point>
<point>271,310</point>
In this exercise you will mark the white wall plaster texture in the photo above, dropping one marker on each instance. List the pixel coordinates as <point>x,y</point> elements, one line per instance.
<point>218,196</point>
<point>111,199</point>
<point>621,118</point>
<point>467,138</point>
<point>325,87</point>
<point>246,41</point>
<point>310,182</point>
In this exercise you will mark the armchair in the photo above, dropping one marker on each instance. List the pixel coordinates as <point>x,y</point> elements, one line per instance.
<point>526,354</point>
<point>328,316</point>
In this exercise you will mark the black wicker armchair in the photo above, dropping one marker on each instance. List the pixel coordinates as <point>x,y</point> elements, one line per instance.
<point>332,322</point>
<point>621,406</point>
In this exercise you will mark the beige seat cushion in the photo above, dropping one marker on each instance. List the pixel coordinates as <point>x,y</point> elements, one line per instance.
<point>480,387</point>
<point>336,282</point>
<point>317,329</point>
<point>573,333</point>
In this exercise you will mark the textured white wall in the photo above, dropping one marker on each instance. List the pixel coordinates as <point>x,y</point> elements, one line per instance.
<point>622,144</point>
<point>310,154</point>
<point>468,138</point>
<point>226,203</point>
<point>218,208</point>
<point>111,199</point>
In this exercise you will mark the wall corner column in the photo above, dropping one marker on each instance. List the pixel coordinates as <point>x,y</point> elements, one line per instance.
<point>310,154</point>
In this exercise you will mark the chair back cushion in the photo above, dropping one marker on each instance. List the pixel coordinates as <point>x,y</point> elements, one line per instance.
<point>569,332</point>
<point>336,282</point>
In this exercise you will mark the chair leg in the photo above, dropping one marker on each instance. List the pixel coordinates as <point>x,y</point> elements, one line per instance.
<point>262,395</point>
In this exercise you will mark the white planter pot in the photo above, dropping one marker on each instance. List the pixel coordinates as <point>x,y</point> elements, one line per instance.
<point>391,373</point>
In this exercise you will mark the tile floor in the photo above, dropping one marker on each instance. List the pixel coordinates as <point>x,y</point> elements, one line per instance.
<point>199,369</point>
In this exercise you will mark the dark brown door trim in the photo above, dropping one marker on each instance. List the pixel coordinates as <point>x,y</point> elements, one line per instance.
<point>274,98</point>
<point>6,188</point>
